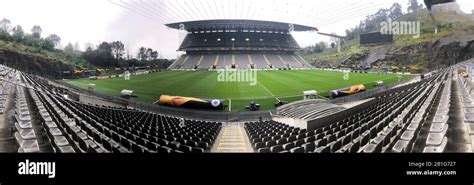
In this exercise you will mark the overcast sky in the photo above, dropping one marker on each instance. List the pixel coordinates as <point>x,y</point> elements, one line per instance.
<point>141,22</point>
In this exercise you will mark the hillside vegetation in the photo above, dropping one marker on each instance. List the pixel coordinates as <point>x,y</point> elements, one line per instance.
<point>72,59</point>
<point>453,43</point>
<point>44,55</point>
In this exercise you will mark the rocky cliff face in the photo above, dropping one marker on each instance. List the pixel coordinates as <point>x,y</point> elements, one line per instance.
<point>34,64</point>
<point>428,55</point>
<point>454,43</point>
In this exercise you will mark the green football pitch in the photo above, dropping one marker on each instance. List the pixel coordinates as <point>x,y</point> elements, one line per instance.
<point>269,87</point>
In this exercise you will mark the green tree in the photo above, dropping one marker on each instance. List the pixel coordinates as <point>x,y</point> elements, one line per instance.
<point>69,48</point>
<point>141,54</point>
<point>105,56</point>
<point>5,36</point>
<point>36,31</point>
<point>350,34</point>
<point>395,11</point>
<point>18,34</point>
<point>319,47</point>
<point>154,55</point>
<point>148,54</point>
<point>117,49</point>
<point>373,21</point>
<point>5,30</point>
<point>30,40</point>
<point>46,44</point>
<point>54,39</point>
<point>414,6</point>
<point>5,25</point>
<point>102,56</point>
<point>323,44</point>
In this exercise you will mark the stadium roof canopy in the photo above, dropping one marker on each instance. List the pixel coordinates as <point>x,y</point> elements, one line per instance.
<point>238,24</point>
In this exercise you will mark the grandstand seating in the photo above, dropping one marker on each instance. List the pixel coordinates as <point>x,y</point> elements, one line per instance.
<point>392,121</point>
<point>465,87</point>
<point>259,61</point>
<point>277,62</point>
<point>239,39</point>
<point>302,61</point>
<point>178,63</point>
<point>75,127</point>
<point>410,131</point>
<point>308,109</point>
<point>291,60</point>
<point>389,125</point>
<point>224,60</point>
<point>7,74</point>
<point>242,61</point>
<point>246,49</point>
<point>191,62</point>
<point>25,135</point>
<point>207,62</point>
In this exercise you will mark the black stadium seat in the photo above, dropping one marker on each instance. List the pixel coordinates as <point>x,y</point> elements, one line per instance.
<point>110,129</point>
<point>309,147</point>
<point>259,145</point>
<point>185,148</point>
<point>276,149</point>
<point>151,146</point>
<point>136,148</point>
<point>270,143</point>
<point>299,142</point>
<point>282,141</point>
<point>107,145</point>
<point>288,146</point>
<point>297,150</point>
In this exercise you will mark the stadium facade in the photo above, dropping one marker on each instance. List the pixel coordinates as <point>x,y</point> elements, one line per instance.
<point>239,44</point>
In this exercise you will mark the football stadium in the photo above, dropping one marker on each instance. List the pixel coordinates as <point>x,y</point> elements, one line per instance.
<point>251,60</point>
<point>239,85</point>
<point>190,91</point>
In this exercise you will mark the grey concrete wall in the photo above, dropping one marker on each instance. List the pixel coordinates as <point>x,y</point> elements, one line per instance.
<point>87,99</point>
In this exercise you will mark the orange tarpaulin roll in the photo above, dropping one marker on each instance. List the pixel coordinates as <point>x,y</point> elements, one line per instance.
<point>348,91</point>
<point>190,102</point>
<point>177,100</point>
